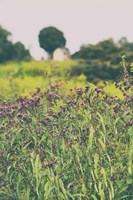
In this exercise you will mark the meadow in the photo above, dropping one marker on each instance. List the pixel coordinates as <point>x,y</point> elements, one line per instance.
<point>22,78</point>
<point>62,137</point>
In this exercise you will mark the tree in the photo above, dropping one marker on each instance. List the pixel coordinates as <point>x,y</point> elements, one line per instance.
<point>6,46</point>
<point>10,51</point>
<point>103,50</point>
<point>123,42</point>
<point>4,34</point>
<point>20,53</point>
<point>51,38</point>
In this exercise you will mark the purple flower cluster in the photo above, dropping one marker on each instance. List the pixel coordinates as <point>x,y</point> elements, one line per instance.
<point>52,95</point>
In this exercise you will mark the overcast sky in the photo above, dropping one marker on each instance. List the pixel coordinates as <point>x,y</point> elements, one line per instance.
<point>81,21</point>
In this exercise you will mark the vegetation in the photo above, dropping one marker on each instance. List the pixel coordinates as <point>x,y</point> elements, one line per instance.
<point>51,38</point>
<point>67,140</point>
<point>98,71</point>
<point>106,51</point>
<point>10,51</point>
<point>21,79</point>
<point>100,61</point>
<point>62,137</point>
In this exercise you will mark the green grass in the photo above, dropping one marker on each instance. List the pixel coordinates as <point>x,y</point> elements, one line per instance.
<point>66,142</point>
<point>22,79</point>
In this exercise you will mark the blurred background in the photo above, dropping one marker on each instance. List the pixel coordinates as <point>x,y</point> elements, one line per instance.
<point>85,40</point>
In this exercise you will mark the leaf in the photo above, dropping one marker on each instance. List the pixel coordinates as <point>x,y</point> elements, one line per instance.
<point>62,188</point>
<point>43,138</point>
<point>102,194</point>
<point>47,189</point>
<point>102,144</point>
<point>102,122</point>
<point>129,181</point>
<point>96,160</point>
<point>37,165</point>
<point>111,188</point>
<point>91,138</point>
<point>103,172</point>
<point>77,149</point>
<point>94,197</point>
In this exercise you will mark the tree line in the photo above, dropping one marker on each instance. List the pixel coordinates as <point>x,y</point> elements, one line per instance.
<point>106,51</point>
<point>51,38</point>
<point>11,51</point>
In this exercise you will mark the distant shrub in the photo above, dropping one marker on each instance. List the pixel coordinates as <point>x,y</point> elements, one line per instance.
<point>96,71</point>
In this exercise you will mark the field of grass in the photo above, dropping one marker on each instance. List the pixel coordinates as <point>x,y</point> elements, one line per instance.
<point>21,79</point>
<point>63,138</point>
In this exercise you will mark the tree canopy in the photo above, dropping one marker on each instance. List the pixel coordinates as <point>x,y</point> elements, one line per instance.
<point>102,60</point>
<point>106,50</point>
<point>10,51</point>
<point>51,38</point>
<point>20,53</point>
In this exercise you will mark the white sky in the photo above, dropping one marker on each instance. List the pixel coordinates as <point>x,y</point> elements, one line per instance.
<point>81,21</point>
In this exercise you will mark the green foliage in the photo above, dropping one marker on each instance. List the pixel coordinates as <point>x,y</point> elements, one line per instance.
<point>73,146</point>
<point>5,45</point>
<point>10,51</point>
<point>96,71</point>
<point>20,53</point>
<point>21,79</point>
<point>106,51</point>
<point>100,61</point>
<point>102,51</point>
<point>64,141</point>
<point>51,38</point>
